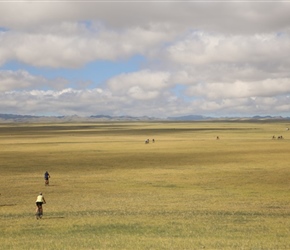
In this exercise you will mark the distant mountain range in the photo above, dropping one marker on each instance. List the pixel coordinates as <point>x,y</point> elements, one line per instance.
<point>11,118</point>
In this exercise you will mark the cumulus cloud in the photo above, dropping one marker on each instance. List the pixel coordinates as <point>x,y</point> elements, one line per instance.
<point>21,79</point>
<point>81,102</point>
<point>66,101</point>
<point>201,48</point>
<point>143,85</point>
<point>71,45</point>
<point>238,89</point>
<point>199,58</point>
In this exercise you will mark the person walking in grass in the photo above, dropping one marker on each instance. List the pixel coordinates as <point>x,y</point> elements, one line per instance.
<point>39,201</point>
<point>46,178</point>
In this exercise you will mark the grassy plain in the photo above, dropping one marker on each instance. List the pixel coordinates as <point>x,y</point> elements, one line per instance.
<point>110,190</point>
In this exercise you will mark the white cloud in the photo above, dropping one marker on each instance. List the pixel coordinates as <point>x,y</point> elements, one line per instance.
<point>64,102</point>
<point>229,57</point>
<point>201,48</point>
<point>142,85</point>
<point>22,80</point>
<point>238,89</point>
<point>71,45</point>
<point>101,101</point>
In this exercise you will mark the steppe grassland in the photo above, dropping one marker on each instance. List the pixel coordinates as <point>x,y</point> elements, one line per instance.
<point>110,190</point>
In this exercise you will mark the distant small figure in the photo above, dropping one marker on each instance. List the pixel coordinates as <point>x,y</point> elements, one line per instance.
<point>280,137</point>
<point>217,137</point>
<point>287,129</point>
<point>46,178</point>
<point>39,210</point>
<point>153,140</point>
<point>273,137</point>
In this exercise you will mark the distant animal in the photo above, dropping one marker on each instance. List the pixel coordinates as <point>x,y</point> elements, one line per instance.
<point>153,140</point>
<point>273,137</point>
<point>280,137</point>
<point>147,141</point>
<point>217,137</point>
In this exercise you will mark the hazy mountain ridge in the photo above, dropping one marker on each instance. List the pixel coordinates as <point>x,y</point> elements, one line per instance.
<point>12,118</point>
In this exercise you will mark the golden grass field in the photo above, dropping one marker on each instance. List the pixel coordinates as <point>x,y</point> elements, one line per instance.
<point>110,190</point>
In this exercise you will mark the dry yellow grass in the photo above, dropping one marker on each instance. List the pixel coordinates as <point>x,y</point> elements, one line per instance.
<point>109,190</point>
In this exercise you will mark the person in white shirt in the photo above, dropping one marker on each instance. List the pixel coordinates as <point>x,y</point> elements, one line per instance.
<point>39,201</point>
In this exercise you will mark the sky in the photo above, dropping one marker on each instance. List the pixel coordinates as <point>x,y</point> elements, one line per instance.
<point>145,58</point>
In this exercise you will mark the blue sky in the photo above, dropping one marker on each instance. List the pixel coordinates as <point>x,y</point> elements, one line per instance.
<point>96,73</point>
<point>220,58</point>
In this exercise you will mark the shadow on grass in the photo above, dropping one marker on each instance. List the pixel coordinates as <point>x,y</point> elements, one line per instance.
<point>53,217</point>
<point>7,205</point>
